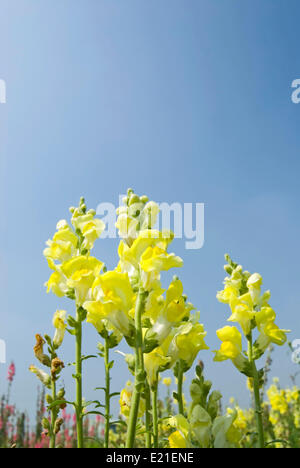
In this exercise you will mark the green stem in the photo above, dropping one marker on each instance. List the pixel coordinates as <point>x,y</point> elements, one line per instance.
<point>79,406</point>
<point>154,417</point>
<point>258,408</point>
<point>148,416</point>
<point>53,416</point>
<point>179,389</point>
<point>107,393</point>
<point>139,369</point>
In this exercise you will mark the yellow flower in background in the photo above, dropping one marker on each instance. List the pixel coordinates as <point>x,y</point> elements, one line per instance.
<point>125,401</point>
<point>241,421</point>
<point>59,323</point>
<point>277,399</point>
<point>167,381</point>
<point>155,362</point>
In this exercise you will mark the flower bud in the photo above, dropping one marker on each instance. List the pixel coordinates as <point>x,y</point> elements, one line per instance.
<point>58,423</point>
<point>144,199</point>
<point>134,199</point>
<point>49,399</point>
<point>46,424</point>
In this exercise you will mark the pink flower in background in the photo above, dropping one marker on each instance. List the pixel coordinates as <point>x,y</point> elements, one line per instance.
<point>11,372</point>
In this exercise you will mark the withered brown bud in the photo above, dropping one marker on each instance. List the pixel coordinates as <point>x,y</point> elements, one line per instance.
<point>56,366</point>
<point>39,351</point>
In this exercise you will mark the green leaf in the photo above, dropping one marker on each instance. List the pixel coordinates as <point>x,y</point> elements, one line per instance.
<point>59,403</point>
<point>85,358</point>
<point>93,412</point>
<point>114,394</point>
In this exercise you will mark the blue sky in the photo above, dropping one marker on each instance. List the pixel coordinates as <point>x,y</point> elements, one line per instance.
<point>184,101</point>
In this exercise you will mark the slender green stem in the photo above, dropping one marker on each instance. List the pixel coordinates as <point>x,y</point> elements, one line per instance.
<point>139,369</point>
<point>258,408</point>
<point>148,416</point>
<point>154,417</point>
<point>179,389</point>
<point>53,416</point>
<point>107,393</point>
<point>79,406</point>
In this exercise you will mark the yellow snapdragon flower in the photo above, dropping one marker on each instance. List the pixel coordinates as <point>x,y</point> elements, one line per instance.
<point>167,381</point>
<point>90,227</point>
<point>242,312</point>
<point>112,299</point>
<point>77,274</point>
<point>277,399</point>
<point>179,438</point>
<point>63,245</point>
<point>231,346</point>
<point>59,323</point>
<point>187,342</point>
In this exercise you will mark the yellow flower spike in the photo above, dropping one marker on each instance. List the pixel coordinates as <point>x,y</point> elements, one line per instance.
<point>277,399</point>
<point>60,326</point>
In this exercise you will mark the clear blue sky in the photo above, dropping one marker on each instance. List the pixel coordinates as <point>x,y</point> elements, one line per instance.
<point>184,101</point>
